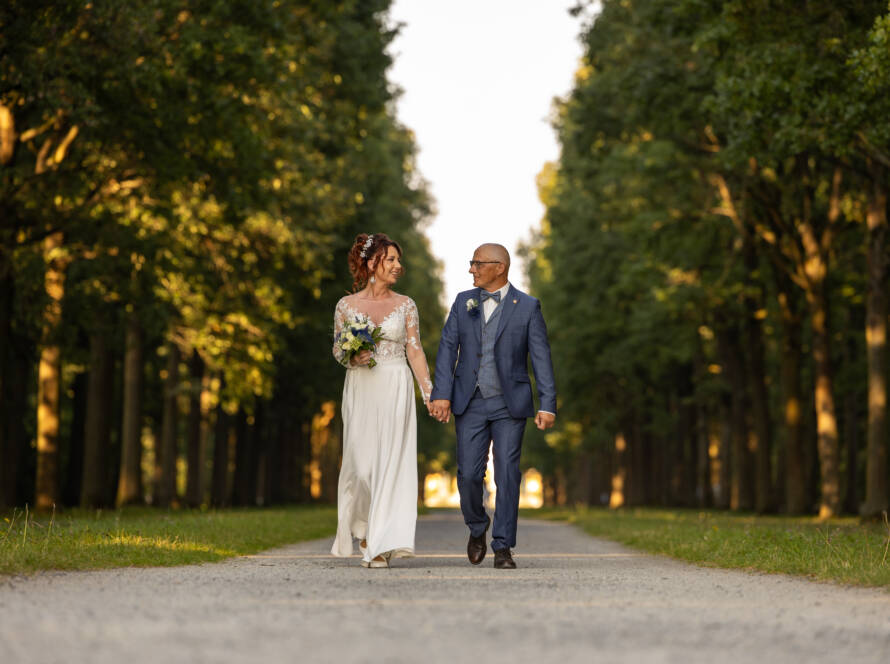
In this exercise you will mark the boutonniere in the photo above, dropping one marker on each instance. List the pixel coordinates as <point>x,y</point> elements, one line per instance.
<point>473,307</point>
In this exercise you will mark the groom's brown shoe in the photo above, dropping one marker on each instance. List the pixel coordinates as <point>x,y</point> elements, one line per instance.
<point>476,547</point>
<point>503,559</point>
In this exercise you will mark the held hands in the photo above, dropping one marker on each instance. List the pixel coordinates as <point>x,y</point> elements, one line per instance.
<point>440,409</point>
<point>544,420</point>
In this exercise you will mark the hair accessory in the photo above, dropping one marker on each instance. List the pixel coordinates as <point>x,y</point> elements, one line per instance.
<point>367,245</point>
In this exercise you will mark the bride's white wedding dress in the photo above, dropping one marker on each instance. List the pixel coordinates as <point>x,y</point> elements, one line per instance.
<point>377,492</point>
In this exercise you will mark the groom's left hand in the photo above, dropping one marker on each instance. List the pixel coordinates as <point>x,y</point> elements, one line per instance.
<point>544,420</point>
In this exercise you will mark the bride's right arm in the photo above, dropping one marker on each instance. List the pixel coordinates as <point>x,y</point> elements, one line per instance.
<point>339,319</point>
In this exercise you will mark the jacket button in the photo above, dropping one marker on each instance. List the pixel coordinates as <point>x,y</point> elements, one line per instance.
<point>478,354</point>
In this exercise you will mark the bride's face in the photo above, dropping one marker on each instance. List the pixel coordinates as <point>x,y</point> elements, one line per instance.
<point>389,267</point>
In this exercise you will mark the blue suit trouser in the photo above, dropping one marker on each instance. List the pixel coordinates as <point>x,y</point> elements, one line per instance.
<point>484,422</point>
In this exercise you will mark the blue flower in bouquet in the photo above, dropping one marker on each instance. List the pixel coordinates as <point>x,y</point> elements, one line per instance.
<point>360,335</point>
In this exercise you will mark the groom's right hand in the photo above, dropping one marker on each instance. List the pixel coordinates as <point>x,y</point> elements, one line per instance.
<point>441,409</point>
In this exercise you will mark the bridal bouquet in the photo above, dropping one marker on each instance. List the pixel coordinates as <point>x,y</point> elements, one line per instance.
<point>358,335</point>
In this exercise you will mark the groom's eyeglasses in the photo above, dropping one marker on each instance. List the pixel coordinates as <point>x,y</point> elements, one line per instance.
<point>476,264</point>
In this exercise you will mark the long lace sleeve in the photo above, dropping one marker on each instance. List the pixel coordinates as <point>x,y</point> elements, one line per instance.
<point>339,319</point>
<point>414,351</point>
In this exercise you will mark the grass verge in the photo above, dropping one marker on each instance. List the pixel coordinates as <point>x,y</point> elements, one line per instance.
<point>841,550</point>
<point>142,536</point>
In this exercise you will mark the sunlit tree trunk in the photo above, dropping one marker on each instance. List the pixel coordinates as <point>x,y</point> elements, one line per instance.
<point>129,486</point>
<point>851,410</point>
<point>815,269</point>
<point>194,493</point>
<point>97,428</point>
<point>790,359</point>
<point>876,499</point>
<point>619,471</point>
<point>49,378</point>
<point>826,417</point>
<point>169,428</point>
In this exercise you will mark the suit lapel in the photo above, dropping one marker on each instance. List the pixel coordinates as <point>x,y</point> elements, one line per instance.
<point>509,306</point>
<point>478,321</point>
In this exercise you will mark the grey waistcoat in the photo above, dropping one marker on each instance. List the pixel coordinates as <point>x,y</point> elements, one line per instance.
<point>489,383</point>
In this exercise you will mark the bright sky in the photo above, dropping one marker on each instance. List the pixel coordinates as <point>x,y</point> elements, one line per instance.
<point>479,78</point>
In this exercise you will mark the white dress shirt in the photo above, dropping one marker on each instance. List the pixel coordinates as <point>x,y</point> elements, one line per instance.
<point>488,307</point>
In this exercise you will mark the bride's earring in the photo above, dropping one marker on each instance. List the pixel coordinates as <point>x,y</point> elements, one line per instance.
<point>373,279</point>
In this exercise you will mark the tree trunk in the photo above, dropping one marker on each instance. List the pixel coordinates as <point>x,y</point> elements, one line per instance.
<point>790,359</point>
<point>827,438</point>
<point>876,498</point>
<point>704,495</point>
<point>219,494</point>
<point>258,454</point>
<point>129,486</point>
<point>194,493</point>
<point>73,469</point>
<point>8,460</point>
<point>851,443</point>
<point>49,378</point>
<point>243,453</point>
<point>16,364</point>
<point>283,482</point>
<point>619,472</point>
<point>724,455</point>
<point>761,434</point>
<point>684,476</point>
<point>169,429</point>
<point>97,429</point>
<point>304,461</point>
<point>16,440</point>
<point>815,273</point>
<point>637,476</point>
<point>741,484</point>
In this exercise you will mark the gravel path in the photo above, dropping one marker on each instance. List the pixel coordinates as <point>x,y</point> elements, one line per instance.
<point>574,598</point>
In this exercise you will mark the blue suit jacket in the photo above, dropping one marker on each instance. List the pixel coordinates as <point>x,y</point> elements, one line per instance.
<point>521,334</point>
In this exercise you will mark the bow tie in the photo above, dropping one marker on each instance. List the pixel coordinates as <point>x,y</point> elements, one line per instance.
<point>484,295</point>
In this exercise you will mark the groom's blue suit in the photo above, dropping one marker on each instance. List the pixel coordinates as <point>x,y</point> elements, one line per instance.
<point>482,369</point>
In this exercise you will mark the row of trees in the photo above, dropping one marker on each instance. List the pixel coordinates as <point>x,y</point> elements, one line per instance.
<point>713,260</point>
<point>179,183</point>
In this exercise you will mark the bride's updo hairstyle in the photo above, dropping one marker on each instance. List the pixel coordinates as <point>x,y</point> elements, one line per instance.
<point>362,254</point>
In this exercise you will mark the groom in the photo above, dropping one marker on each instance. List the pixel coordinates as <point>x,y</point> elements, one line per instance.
<point>482,377</point>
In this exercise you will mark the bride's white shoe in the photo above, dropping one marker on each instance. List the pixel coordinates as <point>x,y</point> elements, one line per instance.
<point>380,562</point>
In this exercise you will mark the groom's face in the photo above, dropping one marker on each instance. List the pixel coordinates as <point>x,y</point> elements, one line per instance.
<point>486,270</point>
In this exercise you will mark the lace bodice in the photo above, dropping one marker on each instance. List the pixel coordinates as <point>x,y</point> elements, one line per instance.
<point>401,336</point>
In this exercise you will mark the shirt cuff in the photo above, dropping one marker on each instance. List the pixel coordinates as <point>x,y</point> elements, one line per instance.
<point>548,412</point>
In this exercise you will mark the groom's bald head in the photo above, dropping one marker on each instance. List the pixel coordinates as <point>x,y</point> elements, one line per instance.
<point>489,267</point>
<point>496,252</point>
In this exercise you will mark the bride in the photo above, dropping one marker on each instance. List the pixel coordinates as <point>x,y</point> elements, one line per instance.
<point>377,491</point>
